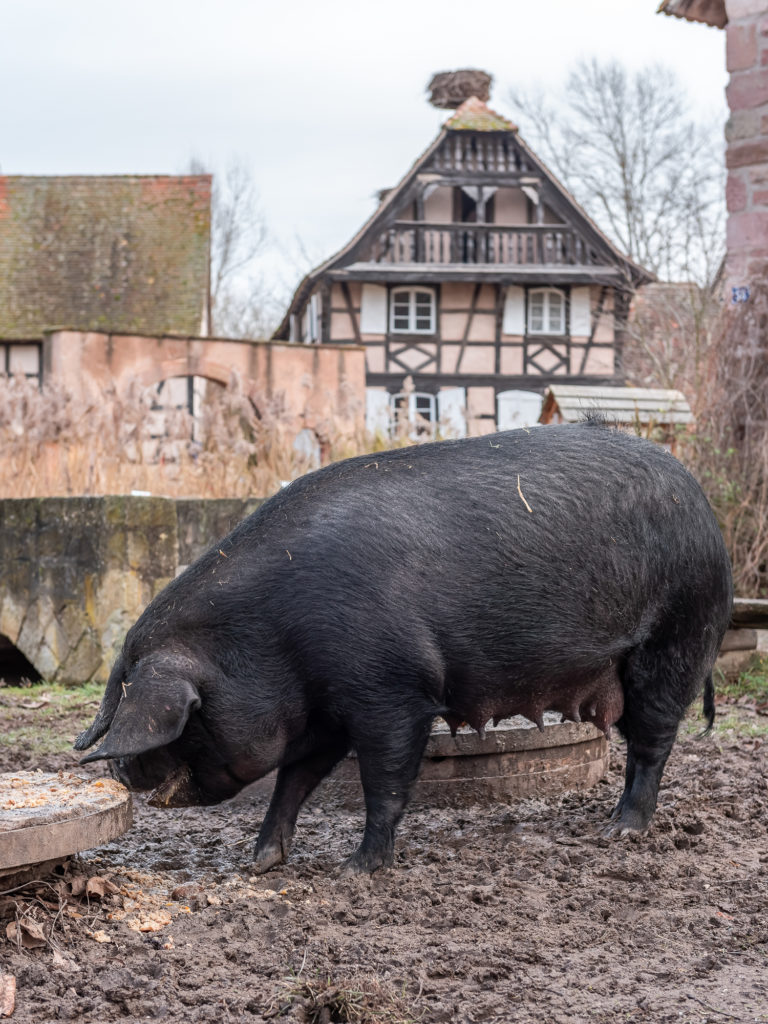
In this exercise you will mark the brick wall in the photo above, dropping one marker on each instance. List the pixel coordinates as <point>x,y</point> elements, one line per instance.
<point>747,140</point>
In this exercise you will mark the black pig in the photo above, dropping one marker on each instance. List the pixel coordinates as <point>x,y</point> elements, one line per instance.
<point>574,569</point>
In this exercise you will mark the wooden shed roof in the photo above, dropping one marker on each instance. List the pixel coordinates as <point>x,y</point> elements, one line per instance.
<point>619,405</point>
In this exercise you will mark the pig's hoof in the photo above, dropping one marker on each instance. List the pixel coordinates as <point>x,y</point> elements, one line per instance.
<point>267,857</point>
<point>624,822</point>
<point>360,864</point>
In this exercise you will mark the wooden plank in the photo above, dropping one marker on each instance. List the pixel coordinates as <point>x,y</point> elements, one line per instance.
<point>621,301</point>
<point>46,816</point>
<point>492,273</point>
<point>501,382</point>
<point>325,313</point>
<point>350,309</point>
<point>468,325</point>
<point>497,327</point>
<point>739,640</point>
<point>751,612</point>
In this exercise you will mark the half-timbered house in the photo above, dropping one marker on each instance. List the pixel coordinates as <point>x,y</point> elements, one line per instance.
<point>477,283</point>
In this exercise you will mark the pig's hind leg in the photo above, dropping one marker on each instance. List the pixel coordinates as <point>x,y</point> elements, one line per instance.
<point>294,783</point>
<point>389,763</point>
<point>659,684</point>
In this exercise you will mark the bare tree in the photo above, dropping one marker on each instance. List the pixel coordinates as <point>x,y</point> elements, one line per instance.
<point>630,150</point>
<point>241,305</point>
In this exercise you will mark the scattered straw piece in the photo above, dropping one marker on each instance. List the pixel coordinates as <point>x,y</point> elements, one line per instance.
<point>522,497</point>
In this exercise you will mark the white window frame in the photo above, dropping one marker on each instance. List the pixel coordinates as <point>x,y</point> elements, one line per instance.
<point>412,328</point>
<point>196,387</point>
<point>6,350</point>
<point>419,425</point>
<point>546,327</point>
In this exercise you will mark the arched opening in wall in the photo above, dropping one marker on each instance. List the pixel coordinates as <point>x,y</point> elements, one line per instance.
<point>182,395</point>
<point>15,668</point>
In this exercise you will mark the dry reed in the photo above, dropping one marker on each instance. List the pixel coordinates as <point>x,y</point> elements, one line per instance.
<point>53,443</point>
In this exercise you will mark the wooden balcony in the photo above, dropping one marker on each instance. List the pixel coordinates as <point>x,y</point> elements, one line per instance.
<point>489,244</point>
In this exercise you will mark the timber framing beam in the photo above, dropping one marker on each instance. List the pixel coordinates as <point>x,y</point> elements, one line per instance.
<point>459,178</point>
<point>431,382</point>
<point>381,273</point>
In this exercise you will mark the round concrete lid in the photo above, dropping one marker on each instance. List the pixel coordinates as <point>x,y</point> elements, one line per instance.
<point>50,815</point>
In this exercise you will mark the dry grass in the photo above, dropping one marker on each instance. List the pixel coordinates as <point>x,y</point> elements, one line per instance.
<point>54,444</point>
<point>360,1000</point>
<point>729,450</point>
<point>685,337</point>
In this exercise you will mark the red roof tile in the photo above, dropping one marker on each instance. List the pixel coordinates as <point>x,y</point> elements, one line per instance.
<point>474,116</point>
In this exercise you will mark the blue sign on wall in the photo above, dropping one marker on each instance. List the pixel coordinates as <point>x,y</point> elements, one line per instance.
<point>740,294</point>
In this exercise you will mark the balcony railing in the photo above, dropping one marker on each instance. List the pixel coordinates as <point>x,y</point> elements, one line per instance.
<point>419,242</point>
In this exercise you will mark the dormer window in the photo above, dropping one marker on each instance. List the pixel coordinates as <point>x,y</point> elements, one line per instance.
<point>546,311</point>
<point>412,311</point>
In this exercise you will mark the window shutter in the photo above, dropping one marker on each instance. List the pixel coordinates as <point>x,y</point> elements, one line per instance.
<point>314,319</point>
<point>452,412</point>
<point>373,310</point>
<point>514,311</point>
<point>377,412</point>
<point>581,316</point>
<point>517,409</point>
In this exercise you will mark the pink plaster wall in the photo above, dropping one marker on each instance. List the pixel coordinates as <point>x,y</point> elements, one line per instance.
<point>438,206</point>
<point>511,206</point>
<point>314,382</point>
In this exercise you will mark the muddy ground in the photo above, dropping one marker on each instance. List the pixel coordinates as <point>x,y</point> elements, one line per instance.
<point>496,913</point>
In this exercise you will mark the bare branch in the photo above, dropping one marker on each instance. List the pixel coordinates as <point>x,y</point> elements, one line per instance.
<point>633,155</point>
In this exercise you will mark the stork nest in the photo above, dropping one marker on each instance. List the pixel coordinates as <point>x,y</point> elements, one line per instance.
<point>449,89</point>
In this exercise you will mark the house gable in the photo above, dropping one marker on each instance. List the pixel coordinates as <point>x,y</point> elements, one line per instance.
<point>479,153</point>
<point>478,271</point>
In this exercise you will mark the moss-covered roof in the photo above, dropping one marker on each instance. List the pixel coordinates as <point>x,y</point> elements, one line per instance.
<point>475,116</point>
<point>119,253</point>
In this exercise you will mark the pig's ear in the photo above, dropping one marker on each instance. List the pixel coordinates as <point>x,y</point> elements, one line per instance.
<point>152,713</point>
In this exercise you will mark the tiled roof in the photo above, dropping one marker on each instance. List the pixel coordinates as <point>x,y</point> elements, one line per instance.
<point>474,116</point>
<point>711,12</point>
<point>118,253</point>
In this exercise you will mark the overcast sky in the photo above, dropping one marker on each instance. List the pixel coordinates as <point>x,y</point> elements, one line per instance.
<point>323,100</point>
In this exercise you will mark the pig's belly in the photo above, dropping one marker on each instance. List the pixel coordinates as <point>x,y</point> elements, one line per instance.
<point>597,698</point>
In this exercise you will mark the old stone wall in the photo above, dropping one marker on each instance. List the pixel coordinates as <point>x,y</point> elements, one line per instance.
<point>76,572</point>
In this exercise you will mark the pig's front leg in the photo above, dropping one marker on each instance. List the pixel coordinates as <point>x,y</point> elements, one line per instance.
<point>294,784</point>
<point>389,764</point>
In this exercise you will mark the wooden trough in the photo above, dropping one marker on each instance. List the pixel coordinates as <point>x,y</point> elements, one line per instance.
<point>513,760</point>
<point>46,817</point>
